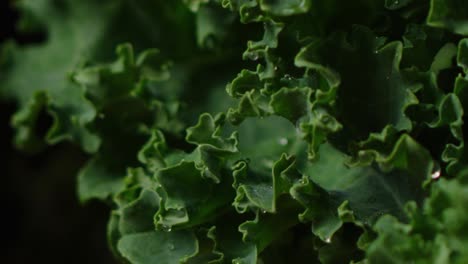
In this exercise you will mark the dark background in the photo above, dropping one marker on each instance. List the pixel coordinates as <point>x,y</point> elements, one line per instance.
<point>41,218</point>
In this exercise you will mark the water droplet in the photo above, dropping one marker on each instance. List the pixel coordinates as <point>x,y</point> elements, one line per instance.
<point>276,68</point>
<point>288,77</point>
<point>283,141</point>
<point>166,228</point>
<point>397,2</point>
<point>436,171</point>
<point>101,116</point>
<point>435,175</point>
<point>328,240</point>
<point>171,246</point>
<point>264,211</point>
<point>253,56</point>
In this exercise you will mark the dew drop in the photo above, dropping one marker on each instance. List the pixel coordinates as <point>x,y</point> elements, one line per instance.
<point>436,171</point>
<point>397,2</point>
<point>171,246</point>
<point>328,240</point>
<point>264,211</point>
<point>276,68</point>
<point>253,56</point>
<point>283,141</point>
<point>166,228</point>
<point>101,116</point>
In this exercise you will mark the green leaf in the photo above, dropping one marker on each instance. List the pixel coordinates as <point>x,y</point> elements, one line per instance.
<point>361,74</point>
<point>158,246</point>
<point>137,216</point>
<point>292,103</point>
<point>207,132</point>
<point>230,243</point>
<point>434,233</point>
<point>449,14</point>
<point>207,252</point>
<point>24,122</point>
<point>255,49</point>
<point>188,199</point>
<point>462,57</point>
<point>213,24</point>
<point>98,180</point>
<point>285,8</point>
<point>113,234</point>
<point>397,179</point>
<point>261,174</point>
<point>79,32</point>
<point>266,228</point>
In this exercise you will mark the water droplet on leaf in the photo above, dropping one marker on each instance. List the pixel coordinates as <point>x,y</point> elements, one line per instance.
<point>253,56</point>
<point>436,171</point>
<point>283,141</point>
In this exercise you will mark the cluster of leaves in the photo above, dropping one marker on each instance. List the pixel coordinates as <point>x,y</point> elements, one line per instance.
<point>340,139</point>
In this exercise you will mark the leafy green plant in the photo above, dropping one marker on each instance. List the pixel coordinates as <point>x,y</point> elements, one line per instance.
<point>257,131</point>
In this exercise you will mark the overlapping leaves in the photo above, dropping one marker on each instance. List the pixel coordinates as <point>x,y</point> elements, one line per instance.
<point>328,140</point>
